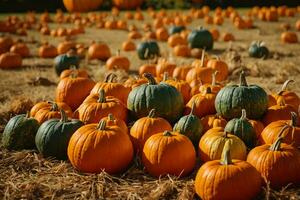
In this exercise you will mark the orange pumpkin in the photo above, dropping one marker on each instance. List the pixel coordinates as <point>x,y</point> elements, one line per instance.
<point>145,127</point>
<point>180,72</point>
<point>271,15</point>
<point>164,66</point>
<point>182,50</point>
<point>21,49</point>
<point>218,20</point>
<point>122,25</point>
<point>195,85</point>
<point>208,19</point>
<point>118,62</point>
<point>213,121</point>
<point>69,72</point>
<point>297,25</point>
<point>134,35</point>
<point>65,46</point>
<point>10,60</point>
<point>218,65</point>
<point>175,40</point>
<point>161,149</point>
<point>47,105</point>
<point>215,33</point>
<point>92,147</point>
<point>147,68</point>
<point>214,86</point>
<point>99,51</point>
<point>128,45</point>
<point>81,5</point>
<point>289,37</point>
<point>228,37</point>
<point>47,51</point>
<point>112,121</point>
<point>135,81</point>
<point>162,34</point>
<point>258,127</point>
<point>128,4</point>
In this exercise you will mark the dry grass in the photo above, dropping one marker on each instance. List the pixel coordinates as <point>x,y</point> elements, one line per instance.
<point>26,175</point>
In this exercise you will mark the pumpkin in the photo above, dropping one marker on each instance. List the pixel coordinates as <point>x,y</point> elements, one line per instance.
<point>148,50</point>
<point>278,163</point>
<point>47,105</point>
<point>128,4</point>
<point>215,87</point>
<point>242,128</point>
<point>21,49</point>
<point>19,133</point>
<point>68,72</point>
<point>175,40</point>
<point>258,127</point>
<point>195,84</point>
<point>92,147</point>
<point>182,51</point>
<point>289,97</point>
<point>128,46</point>
<point>180,72</point>
<point>162,34</point>
<point>149,96</point>
<point>233,98</point>
<point>201,38</point>
<point>204,103</point>
<point>145,127</point>
<point>218,20</point>
<point>163,66</point>
<point>6,43</point>
<point>291,133</point>
<point>169,153</point>
<point>190,126</point>
<point>281,111</point>
<point>208,19</point>
<point>53,136</point>
<point>215,34</point>
<point>98,106</point>
<point>47,51</point>
<point>213,141</point>
<point>218,65</point>
<point>147,68</point>
<point>289,37</point>
<point>134,81</point>
<point>297,25</point>
<point>139,16</point>
<point>212,121</point>
<point>215,177</point>
<point>258,50</point>
<point>65,46</point>
<point>81,5</point>
<point>65,61</point>
<point>228,37</point>
<point>122,25</point>
<point>118,62</point>
<point>112,88</point>
<point>175,29</point>
<point>134,35</point>
<point>99,51</point>
<point>10,60</point>
<point>73,90</point>
<point>112,121</point>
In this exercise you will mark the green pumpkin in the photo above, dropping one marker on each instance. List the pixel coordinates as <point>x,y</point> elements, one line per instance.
<point>19,133</point>
<point>201,38</point>
<point>148,50</point>
<point>65,61</point>
<point>258,50</point>
<point>165,99</point>
<point>233,98</point>
<point>175,29</point>
<point>53,136</point>
<point>242,128</point>
<point>191,126</point>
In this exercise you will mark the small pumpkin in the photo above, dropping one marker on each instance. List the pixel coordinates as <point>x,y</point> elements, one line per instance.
<point>213,141</point>
<point>215,33</point>
<point>201,38</point>
<point>228,37</point>
<point>242,128</point>
<point>10,60</point>
<point>53,136</point>
<point>161,149</point>
<point>212,121</point>
<point>19,133</point>
<point>214,177</point>
<point>21,49</point>
<point>175,40</point>
<point>128,46</point>
<point>162,34</point>
<point>92,147</point>
<point>147,68</point>
<point>48,105</point>
<point>65,61</point>
<point>289,37</point>
<point>258,50</point>
<point>65,46</point>
<point>99,51</point>
<point>218,65</point>
<point>180,72</point>
<point>118,62</point>
<point>47,51</point>
<point>214,86</point>
<point>278,163</point>
<point>164,66</point>
<point>182,51</point>
<point>68,72</point>
<point>145,127</point>
<point>148,50</point>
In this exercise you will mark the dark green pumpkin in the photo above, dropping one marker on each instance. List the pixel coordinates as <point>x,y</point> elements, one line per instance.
<point>165,99</point>
<point>258,50</point>
<point>242,128</point>
<point>53,136</point>
<point>19,133</point>
<point>175,29</point>
<point>201,38</point>
<point>65,61</point>
<point>191,126</point>
<point>148,50</point>
<point>233,98</point>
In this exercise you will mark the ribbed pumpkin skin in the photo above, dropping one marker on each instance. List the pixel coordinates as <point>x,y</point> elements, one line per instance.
<point>258,51</point>
<point>201,38</point>
<point>19,133</point>
<point>213,141</point>
<point>53,137</point>
<point>128,4</point>
<point>148,50</point>
<point>279,167</point>
<point>65,61</point>
<point>232,99</point>
<point>82,5</point>
<point>243,129</point>
<point>165,99</point>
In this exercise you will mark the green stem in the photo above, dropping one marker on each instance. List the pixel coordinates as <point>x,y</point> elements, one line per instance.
<point>64,117</point>
<point>294,119</point>
<point>243,81</point>
<point>110,77</point>
<point>111,117</point>
<point>151,113</point>
<point>102,125</point>
<point>101,98</point>
<point>54,106</point>
<point>277,144</point>
<point>226,157</point>
<point>168,133</point>
<point>151,80</point>
<point>244,114</point>
<point>193,108</point>
<point>285,84</point>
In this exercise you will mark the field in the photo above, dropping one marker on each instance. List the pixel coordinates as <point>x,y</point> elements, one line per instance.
<point>27,175</point>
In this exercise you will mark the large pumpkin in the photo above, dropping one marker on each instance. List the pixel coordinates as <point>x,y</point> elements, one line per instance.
<point>128,4</point>
<point>201,38</point>
<point>169,153</point>
<point>227,179</point>
<point>19,133</point>
<point>165,99</point>
<point>96,147</point>
<point>213,141</point>
<point>233,98</point>
<point>53,136</point>
<point>82,5</point>
<point>278,163</point>
<point>65,61</point>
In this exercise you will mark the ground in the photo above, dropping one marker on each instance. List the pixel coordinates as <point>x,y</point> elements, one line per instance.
<point>27,175</point>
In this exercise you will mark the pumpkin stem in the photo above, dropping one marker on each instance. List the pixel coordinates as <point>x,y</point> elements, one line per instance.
<point>111,117</point>
<point>193,108</point>
<point>166,76</point>
<point>216,57</point>
<point>102,98</point>
<point>27,114</point>
<point>151,113</point>
<point>214,75</point>
<point>208,90</point>
<point>102,125</point>
<point>64,117</point>
<point>285,85</point>
<point>294,119</point>
<point>243,81</point>
<point>146,54</point>
<point>244,114</point>
<point>110,77</point>
<point>226,157</point>
<point>276,145</point>
<point>202,57</point>
<point>151,80</point>
<point>167,133</point>
<point>74,71</point>
<point>54,106</point>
